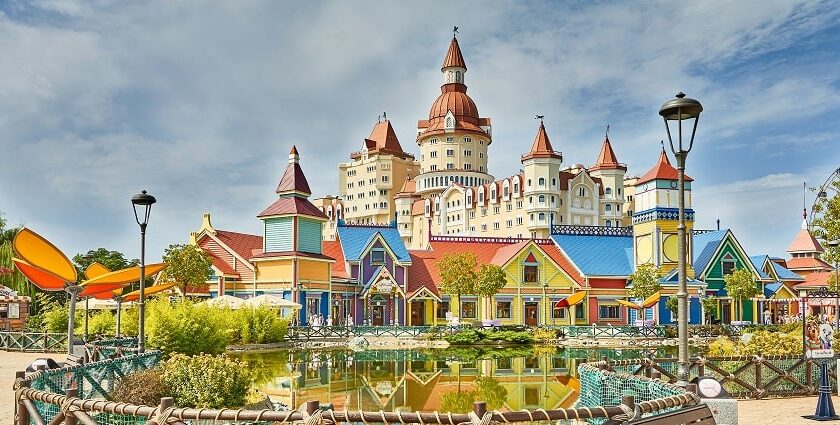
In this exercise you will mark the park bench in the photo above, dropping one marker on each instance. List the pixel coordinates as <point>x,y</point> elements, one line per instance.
<point>694,415</point>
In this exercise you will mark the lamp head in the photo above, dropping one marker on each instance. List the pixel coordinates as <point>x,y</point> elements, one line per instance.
<point>681,108</point>
<point>143,199</point>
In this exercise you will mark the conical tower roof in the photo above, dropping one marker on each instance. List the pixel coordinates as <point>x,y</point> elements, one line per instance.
<point>663,170</point>
<point>607,159</point>
<point>805,242</point>
<point>453,57</point>
<point>293,180</point>
<point>541,148</point>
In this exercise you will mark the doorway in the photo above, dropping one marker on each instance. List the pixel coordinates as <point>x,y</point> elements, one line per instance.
<point>531,314</point>
<point>378,318</point>
<point>726,312</point>
<point>418,313</point>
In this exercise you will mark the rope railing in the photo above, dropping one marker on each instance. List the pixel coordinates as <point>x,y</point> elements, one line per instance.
<point>73,394</point>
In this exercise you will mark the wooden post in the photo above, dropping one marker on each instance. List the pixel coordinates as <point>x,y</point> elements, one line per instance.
<point>311,406</point>
<point>655,374</point>
<point>759,384</point>
<point>692,388</point>
<point>21,413</point>
<point>70,419</point>
<point>480,408</point>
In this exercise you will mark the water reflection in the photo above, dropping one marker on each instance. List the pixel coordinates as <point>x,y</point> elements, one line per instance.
<point>426,380</point>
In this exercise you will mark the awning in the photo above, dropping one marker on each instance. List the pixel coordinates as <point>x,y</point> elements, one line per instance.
<point>571,300</point>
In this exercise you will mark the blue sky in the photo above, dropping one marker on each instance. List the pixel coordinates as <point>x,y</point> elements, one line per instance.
<point>200,102</point>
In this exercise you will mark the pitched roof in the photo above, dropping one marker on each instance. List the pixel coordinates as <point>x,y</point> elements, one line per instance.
<point>541,148</point>
<point>242,243</point>
<point>222,266</point>
<point>333,249</point>
<point>807,263</point>
<point>813,280</point>
<point>758,263</point>
<point>423,272</point>
<point>607,159</point>
<point>784,273</point>
<point>506,252</point>
<point>771,288</point>
<point>705,245</point>
<point>383,139</point>
<point>662,170</point>
<point>292,205</point>
<point>453,56</point>
<point>354,239</point>
<point>293,179</point>
<point>598,255</point>
<point>804,241</point>
<point>408,188</point>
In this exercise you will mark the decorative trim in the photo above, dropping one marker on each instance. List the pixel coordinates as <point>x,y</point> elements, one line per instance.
<point>661,214</point>
<point>485,239</point>
<point>577,230</point>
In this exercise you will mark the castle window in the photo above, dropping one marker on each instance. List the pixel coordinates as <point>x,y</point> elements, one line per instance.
<point>467,140</point>
<point>541,199</point>
<point>608,207</point>
<point>433,154</point>
<point>553,182</point>
<point>582,191</point>
<point>450,166</point>
<point>467,152</point>
<point>542,216</point>
<point>529,182</point>
<point>608,191</point>
<point>496,225</point>
<point>457,76</point>
<point>450,139</point>
<point>619,191</point>
<point>552,199</point>
<point>609,223</point>
<point>541,181</point>
<point>450,152</point>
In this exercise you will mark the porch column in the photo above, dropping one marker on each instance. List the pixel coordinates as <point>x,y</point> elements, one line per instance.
<point>434,312</point>
<point>408,315</point>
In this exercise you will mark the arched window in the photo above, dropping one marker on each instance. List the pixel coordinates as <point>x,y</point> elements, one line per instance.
<point>458,76</point>
<point>449,122</point>
<point>582,191</point>
<point>481,195</point>
<point>506,188</point>
<point>469,197</point>
<point>516,187</point>
<point>553,182</point>
<point>542,216</point>
<point>541,199</point>
<point>608,191</point>
<point>529,182</point>
<point>609,223</point>
<point>552,199</point>
<point>493,193</point>
<point>608,207</point>
<point>541,181</point>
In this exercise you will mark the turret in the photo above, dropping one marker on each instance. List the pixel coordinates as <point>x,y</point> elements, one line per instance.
<point>611,172</point>
<point>541,169</point>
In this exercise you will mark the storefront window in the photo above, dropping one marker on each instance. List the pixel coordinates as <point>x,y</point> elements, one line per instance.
<point>468,309</point>
<point>442,309</point>
<point>609,312</point>
<point>503,310</point>
<point>312,305</point>
<point>558,313</point>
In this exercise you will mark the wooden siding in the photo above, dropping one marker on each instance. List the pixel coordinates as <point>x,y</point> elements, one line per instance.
<point>279,232</point>
<point>274,271</point>
<point>309,235</point>
<point>208,244</point>
<point>316,271</point>
<point>714,277</point>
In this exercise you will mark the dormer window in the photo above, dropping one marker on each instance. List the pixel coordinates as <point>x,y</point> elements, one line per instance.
<point>377,256</point>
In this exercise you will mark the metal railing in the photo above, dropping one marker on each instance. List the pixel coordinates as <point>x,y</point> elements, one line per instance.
<point>33,341</point>
<point>600,331</point>
<point>328,332</point>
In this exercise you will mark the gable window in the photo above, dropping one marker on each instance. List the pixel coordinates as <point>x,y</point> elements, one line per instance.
<point>503,310</point>
<point>530,270</point>
<point>727,267</point>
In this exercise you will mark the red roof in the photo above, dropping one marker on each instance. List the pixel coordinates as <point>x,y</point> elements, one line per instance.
<point>333,249</point>
<point>662,170</point>
<point>241,243</point>
<point>293,179</point>
<point>292,254</point>
<point>807,264</point>
<point>383,139</point>
<point>805,242</point>
<point>223,266</point>
<point>607,159</point>
<point>454,56</point>
<point>541,148</point>
<point>408,188</point>
<point>292,205</point>
<point>814,280</point>
<point>423,272</point>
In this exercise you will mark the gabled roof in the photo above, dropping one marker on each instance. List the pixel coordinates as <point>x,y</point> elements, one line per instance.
<point>292,205</point>
<point>807,263</point>
<point>661,171</point>
<point>242,243</point>
<point>784,273</point>
<point>453,56</point>
<point>379,273</point>
<point>293,179</point>
<point>222,266</point>
<point>758,263</point>
<point>383,139</point>
<point>705,245</point>
<point>333,249</point>
<point>422,273</point>
<point>355,239</point>
<point>598,255</point>
<point>541,148</point>
<point>804,241</point>
<point>607,159</point>
<point>409,187</point>
<point>814,280</point>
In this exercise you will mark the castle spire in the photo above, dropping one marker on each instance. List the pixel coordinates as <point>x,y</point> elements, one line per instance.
<point>293,180</point>
<point>607,159</point>
<point>541,148</point>
<point>454,68</point>
<point>453,58</point>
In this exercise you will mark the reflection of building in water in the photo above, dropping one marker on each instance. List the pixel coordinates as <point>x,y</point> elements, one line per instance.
<point>411,381</point>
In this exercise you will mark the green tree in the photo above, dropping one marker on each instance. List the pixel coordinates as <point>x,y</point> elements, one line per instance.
<point>112,260</point>
<point>491,391</point>
<point>740,284</point>
<point>672,304</point>
<point>457,274</point>
<point>710,306</point>
<point>11,278</point>
<point>644,281</point>
<point>826,225</point>
<point>187,265</point>
<point>491,278</point>
<point>6,233</point>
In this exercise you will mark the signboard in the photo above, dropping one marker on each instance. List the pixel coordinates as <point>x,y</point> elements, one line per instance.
<point>818,332</point>
<point>384,286</point>
<point>14,311</point>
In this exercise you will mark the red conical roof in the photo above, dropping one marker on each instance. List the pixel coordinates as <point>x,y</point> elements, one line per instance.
<point>662,171</point>
<point>607,160</point>
<point>383,138</point>
<point>804,241</point>
<point>453,56</point>
<point>541,148</point>
<point>293,179</point>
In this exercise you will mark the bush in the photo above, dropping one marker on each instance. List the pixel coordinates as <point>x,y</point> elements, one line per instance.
<point>545,335</point>
<point>102,322</point>
<point>185,327</point>
<point>763,342</point>
<point>145,387</point>
<point>467,336</point>
<point>129,321</point>
<point>207,381</point>
<point>261,326</point>
<point>722,346</point>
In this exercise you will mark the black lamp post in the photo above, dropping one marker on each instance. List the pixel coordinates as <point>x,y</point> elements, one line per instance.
<point>680,109</point>
<point>145,201</point>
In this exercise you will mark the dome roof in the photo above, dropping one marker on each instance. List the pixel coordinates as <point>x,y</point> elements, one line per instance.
<point>456,101</point>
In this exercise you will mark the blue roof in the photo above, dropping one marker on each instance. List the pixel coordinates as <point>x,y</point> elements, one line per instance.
<point>784,273</point>
<point>758,262</point>
<point>598,255</point>
<point>771,288</point>
<point>705,245</point>
<point>354,239</point>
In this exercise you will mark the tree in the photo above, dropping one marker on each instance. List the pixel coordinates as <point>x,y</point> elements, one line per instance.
<point>112,260</point>
<point>826,227</point>
<point>6,234</point>
<point>672,304</point>
<point>709,306</point>
<point>740,284</point>
<point>187,265</point>
<point>833,282</point>
<point>491,278</point>
<point>457,274</point>
<point>645,281</point>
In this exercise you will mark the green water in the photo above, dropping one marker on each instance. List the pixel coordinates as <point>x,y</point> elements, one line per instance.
<point>426,379</point>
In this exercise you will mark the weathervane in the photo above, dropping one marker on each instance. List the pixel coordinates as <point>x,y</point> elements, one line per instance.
<point>385,116</point>
<point>454,31</point>
<point>539,117</point>
<point>607,132</point>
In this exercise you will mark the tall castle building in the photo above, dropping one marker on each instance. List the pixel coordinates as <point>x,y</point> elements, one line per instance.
<point>449,191</point>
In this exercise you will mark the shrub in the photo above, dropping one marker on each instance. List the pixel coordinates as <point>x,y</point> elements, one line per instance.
<point>55,317</point>
<point>207,381</point>
<point>102,322</point>
<point>722,346</point>
<point>184,327</point>
<point>545,334</point>
<point>467,336</point>
<point>261,326</point>
<point>129,321</point>
<point>773,343</point>
<point>144,387</point>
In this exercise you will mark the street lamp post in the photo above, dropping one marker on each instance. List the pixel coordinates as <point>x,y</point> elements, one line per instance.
<point>145,201</point>
<point>834,244</point>
<point>679,109</point>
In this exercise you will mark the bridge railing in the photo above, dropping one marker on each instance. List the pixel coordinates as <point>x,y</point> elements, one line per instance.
<point>43,342</point>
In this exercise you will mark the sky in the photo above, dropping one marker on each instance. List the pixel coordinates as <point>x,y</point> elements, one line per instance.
<point>200,102</point>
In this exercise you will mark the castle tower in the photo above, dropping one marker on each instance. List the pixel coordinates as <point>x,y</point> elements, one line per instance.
<point>541,168</point>
<point>611,172</point>
<point>454,140</point>
<point>367,184</point>
<point>657,215</point>
<point>805,252</point>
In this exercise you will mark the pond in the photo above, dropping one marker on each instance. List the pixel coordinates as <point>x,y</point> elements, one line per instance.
<point>507,378</point>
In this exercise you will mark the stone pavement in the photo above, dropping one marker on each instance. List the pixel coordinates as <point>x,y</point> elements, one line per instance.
<point>779,411</point>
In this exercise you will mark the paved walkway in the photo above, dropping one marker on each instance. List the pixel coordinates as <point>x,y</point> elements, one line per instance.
<point>12,362</point>
<point>781,411</point>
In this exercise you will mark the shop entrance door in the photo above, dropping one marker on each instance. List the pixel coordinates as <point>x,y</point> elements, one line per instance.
<point>418,313</point>
<point>378,318</point>
<point>531,314</point>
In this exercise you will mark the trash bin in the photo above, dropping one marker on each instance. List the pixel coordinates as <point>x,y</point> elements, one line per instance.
<point>724,408</point>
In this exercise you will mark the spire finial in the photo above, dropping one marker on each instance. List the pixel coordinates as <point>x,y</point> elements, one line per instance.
<point>662,143</point>
<point>607,132</point>
<point>804,202</point>
<point>540,117</point>
<point>454,31</point>
<point>385,116</point>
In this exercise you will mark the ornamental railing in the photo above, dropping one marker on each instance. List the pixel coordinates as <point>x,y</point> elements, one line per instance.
<point>596,331</point>
<point>565,229</point>
<point>328,332</point>
<point>33,341</point>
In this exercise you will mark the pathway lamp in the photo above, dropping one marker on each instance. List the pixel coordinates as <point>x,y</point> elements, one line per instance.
<point>674,112</point>
<point>142,203</point>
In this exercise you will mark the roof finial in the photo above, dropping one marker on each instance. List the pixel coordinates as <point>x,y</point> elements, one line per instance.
<point>607,132</point>
<point>540,117</point>
<point>804,202</point>
<point>454,31</point>
<point>662,143</point>
<point>385,116</point>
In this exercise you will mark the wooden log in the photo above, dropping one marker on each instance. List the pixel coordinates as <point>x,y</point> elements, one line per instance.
<point>71,393</point>
<point>21,413</point>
